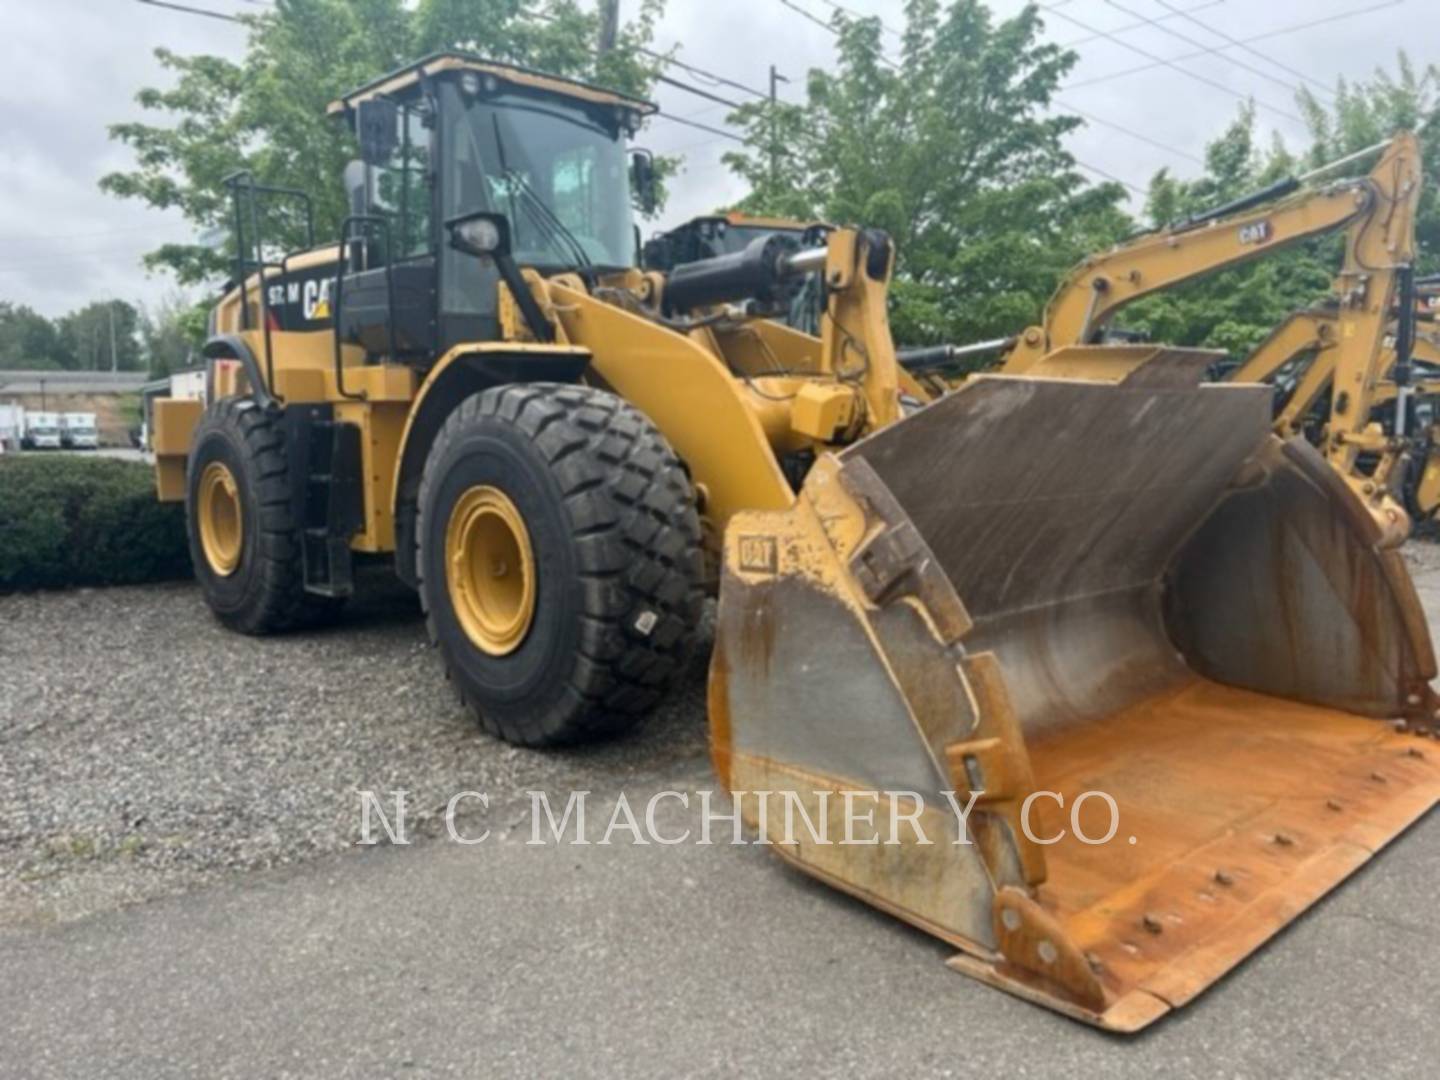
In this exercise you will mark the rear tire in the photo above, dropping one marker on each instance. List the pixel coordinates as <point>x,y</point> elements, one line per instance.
<point>601,521</point>
<point>247,556</point>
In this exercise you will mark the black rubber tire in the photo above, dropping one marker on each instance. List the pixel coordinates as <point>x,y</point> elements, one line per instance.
<point>265,594</point>
<point>613,525</point>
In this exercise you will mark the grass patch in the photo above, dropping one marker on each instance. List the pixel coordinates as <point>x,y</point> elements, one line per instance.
<point>68,521</point>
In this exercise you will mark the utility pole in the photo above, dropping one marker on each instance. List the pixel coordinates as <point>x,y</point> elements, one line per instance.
<point>775,79</point>
<point>114,360</point>
<point>609,24</point>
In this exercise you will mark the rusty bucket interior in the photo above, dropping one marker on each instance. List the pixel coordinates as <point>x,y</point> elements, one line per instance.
<point>1036,589</point>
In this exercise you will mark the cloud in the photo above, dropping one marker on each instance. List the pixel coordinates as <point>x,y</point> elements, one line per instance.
<point>72,67</point>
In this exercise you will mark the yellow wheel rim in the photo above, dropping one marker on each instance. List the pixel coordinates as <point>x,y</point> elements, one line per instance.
<point>490,569</point>
<point>222,525</point>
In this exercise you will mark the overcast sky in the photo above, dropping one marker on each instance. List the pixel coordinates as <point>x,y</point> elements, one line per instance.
<point>73,66</point>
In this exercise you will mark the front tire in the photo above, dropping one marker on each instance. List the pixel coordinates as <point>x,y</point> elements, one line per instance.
<point>244,542</point>
<point>559,561</point>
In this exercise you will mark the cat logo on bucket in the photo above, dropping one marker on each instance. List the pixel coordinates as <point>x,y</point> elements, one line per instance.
<point>758,554</point>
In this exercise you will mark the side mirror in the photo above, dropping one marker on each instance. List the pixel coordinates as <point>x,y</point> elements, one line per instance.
<point>643,181</point>
<point>377,127</point>
<point>480,233</point>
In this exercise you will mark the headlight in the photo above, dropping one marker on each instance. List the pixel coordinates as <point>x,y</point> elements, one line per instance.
<point>473,84</point>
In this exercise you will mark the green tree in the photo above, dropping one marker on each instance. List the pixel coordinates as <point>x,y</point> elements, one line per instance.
<point>950,146</point>
<point>1364,113</point>
<point>28,340</point>
<point>1236,310</point>
<point>267,112</point>
<point>172,332</point>
<point>85,336</point>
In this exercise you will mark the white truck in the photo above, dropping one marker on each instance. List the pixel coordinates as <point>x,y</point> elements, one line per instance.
<point>77,431</point>
<point>42,431</point>
<point>12,426</point>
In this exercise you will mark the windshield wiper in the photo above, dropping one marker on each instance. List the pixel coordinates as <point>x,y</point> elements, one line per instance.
<point>547,219</point>
<point>550,224</point>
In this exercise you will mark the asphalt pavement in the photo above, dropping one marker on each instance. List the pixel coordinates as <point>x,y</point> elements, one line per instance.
<point>506,958</point>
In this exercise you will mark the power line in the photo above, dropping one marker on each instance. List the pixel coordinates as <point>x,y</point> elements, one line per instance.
<point>1110,176</point>
<point>700,112</point>
<point>699,72</point>
<point>842,8</point>
<point>1083,165</point>
<point>1177,35</point>
<point>697,91</point>
<point>718,80</point>
<point>1156,143</point>
<point>701,127</point>
<point>1137,25</point>
<point>192,10</point>
<point>1237,43</point>
<point>686,147</point>
<point>1172,64</point>
<point>1295,28</point>
<point>826,26</point>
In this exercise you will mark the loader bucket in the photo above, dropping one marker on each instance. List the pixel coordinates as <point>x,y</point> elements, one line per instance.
<point>1034,589</point>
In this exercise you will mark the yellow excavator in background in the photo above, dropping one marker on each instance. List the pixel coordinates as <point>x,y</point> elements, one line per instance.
<point>1032,589</point>
<point>1373,288</point>
<point>1308,344</point>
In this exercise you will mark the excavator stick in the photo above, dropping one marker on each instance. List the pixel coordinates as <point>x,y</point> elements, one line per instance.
<point>1080,605</point>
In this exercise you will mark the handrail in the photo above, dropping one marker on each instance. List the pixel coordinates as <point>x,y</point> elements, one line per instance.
<point>345,240</point>
<point>244,180</point>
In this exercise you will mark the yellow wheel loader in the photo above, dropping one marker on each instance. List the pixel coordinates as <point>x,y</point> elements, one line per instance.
<point>1028,591</point>
<point>1374,286</point>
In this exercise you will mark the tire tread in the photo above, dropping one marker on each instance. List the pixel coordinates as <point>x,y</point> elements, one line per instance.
<point>636,535</point>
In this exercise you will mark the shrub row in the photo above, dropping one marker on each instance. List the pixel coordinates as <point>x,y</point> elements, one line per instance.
<point>85,521</point>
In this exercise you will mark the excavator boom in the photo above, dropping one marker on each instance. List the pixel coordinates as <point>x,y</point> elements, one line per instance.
<point>1377,213</point>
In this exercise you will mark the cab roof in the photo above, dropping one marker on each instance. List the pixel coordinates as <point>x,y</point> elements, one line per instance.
<point>441,62</point>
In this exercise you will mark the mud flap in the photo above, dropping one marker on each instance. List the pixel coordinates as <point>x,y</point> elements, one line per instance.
<point>1077,609</point>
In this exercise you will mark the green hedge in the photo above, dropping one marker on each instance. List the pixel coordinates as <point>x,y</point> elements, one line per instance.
<point>85,521</point>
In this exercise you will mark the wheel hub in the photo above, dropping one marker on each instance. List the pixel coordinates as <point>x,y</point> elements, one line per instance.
<point>490,570</point>
<point>222,524</point>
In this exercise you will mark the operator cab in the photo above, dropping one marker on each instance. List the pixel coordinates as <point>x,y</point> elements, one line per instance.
<point>456,136</point>
<point>449,138</point>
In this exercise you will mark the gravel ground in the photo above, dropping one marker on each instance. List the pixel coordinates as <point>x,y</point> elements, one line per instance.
<point>145,750</point>
<point>1422,554</point>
